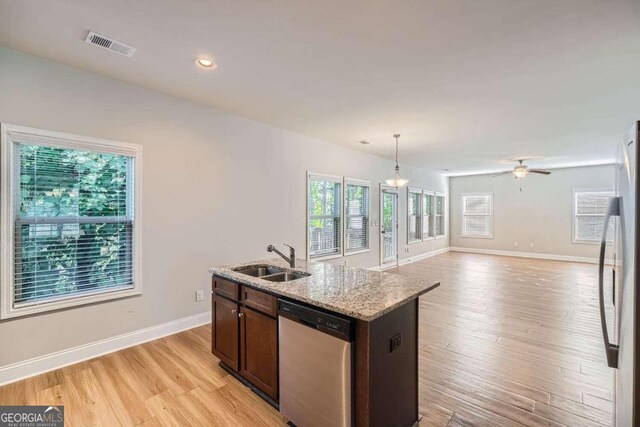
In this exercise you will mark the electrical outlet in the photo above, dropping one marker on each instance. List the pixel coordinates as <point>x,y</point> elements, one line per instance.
<point>515,244</point>
<point>530,245</point>
<point>199,295</point>
<point>396,342</point>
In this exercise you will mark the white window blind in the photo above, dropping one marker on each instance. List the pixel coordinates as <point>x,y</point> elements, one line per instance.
<point>439,215</point>
<point>324,222</point>
<point>477,215</point>
<point>414,229</point>
<point>72,221</point>
<point>590,208</point>
<point>356,216</point>
<point>428,207</point>
<point>73,231</point>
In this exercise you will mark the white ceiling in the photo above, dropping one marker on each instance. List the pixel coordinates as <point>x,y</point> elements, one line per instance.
<point>467,83</point>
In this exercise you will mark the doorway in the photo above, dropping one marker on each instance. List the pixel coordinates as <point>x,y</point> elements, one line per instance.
<point>388,227</point>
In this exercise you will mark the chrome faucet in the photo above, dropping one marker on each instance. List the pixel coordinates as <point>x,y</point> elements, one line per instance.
<point>292,254</point>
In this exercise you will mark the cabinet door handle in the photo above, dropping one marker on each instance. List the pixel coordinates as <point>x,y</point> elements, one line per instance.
<point>234,311</point>
<point>241,315</point>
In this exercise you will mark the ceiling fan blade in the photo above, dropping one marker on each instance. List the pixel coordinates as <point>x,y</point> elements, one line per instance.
<point>540,171</point>
<point>501,173</point>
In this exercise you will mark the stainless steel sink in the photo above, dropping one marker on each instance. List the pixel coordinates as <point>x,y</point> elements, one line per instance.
<point>272,274</point>
<point>285,277</point>
<point>258,271</point>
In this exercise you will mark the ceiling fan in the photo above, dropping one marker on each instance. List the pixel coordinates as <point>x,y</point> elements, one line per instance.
<point>521,170</point>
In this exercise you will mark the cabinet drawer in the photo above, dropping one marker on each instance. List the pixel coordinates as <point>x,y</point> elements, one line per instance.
<point>226,288</point>
<point>261,301</point>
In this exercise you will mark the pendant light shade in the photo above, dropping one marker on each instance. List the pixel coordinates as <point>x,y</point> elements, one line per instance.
<point>397,181</point>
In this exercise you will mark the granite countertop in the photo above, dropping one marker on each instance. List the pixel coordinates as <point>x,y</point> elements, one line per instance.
<point>354,292</point>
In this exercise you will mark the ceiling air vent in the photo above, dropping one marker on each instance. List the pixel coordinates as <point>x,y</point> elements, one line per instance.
<point>109,44</point>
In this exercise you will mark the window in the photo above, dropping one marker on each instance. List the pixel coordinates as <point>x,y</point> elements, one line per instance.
<point>70,230</point>
<point>439,215</point>
<point>414,229</point>
<point>589,209</point>
<point>324,222</point>
<point>477,215</point>
<point>356,236</point>
<point>428,206</point>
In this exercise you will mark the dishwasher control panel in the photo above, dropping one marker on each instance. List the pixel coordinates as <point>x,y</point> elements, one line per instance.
<point>334,325</point>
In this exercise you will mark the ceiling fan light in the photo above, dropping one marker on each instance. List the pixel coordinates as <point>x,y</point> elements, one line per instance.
<point>520,171</point>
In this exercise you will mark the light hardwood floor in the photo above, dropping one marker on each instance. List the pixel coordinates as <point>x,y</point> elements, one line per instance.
<point>173,381</point>
<point>503,342</point>
<point>508,341</point>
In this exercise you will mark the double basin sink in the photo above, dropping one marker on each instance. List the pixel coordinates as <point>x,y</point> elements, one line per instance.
<point>271,274</point>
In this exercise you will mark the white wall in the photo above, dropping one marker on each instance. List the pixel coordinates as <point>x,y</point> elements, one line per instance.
<point>541,214</point>
<point>217,189</point>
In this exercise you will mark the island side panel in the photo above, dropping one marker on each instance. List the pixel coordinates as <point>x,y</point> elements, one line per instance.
<point>386,381</point>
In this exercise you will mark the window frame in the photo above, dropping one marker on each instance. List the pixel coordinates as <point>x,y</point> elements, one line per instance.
<point>431,219</point>
<point>574,214</point>
<point>444,215</point>
<point>361,183</point>
<point>418,191</point>
<point>9,166</point>
<point>333,178</point>
<point>490,215</point>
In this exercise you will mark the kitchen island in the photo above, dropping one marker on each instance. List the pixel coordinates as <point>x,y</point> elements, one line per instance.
<point>380,308</point>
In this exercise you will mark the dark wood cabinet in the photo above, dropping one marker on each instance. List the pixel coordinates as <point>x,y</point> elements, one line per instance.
<point>386,389</point>
<point>225,331</point>
<point>258,350</point>
<point>245,335</point>
<point>268,304</point>
<point>226,288</point>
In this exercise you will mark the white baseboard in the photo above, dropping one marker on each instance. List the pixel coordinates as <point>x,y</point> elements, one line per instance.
<point>380,268</point>
<point>425,255</point>
<point>39,365</point>
<point>525,255</point>
<point>405,261</point>
<point>535,255</point>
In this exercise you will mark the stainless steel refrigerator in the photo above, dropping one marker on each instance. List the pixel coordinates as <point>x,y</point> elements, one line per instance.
<point>620,260</point>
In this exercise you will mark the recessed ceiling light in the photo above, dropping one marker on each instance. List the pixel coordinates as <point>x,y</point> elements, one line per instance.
<point>206,63</point>
<point>363,142</point>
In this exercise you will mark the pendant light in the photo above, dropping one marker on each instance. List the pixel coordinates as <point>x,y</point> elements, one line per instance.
<point>396,181</point>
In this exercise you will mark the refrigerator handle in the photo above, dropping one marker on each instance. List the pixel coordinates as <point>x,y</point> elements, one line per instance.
<point>611,349</point>
<point>613,281</point>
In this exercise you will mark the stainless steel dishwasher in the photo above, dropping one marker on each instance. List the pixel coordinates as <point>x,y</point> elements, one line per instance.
<point>316,367</point>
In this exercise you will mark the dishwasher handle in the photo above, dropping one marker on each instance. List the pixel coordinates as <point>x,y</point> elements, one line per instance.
<point>308,323</point>
<point>339,327</point>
